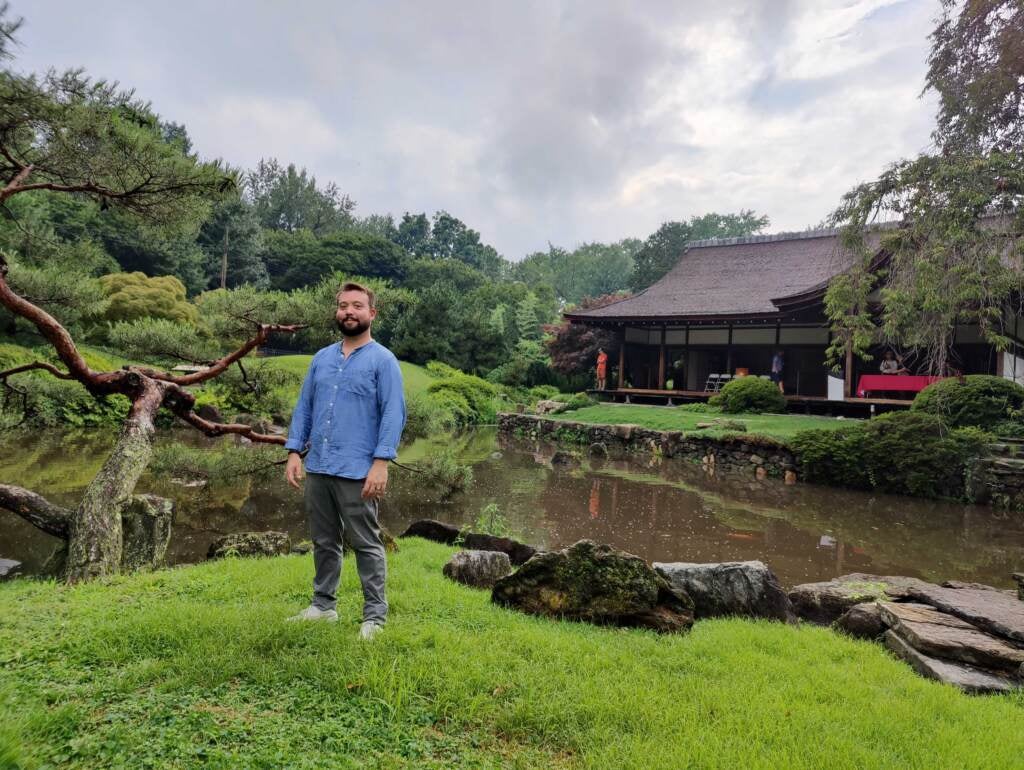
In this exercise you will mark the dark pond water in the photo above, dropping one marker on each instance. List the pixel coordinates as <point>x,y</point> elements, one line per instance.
<point>662,511</point>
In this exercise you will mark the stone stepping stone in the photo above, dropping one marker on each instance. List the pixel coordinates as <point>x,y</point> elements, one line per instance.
<point>998,612</point>
<point>939,635</point>
<point>966,677</point>
<point>827,601</point>
<point>9,568</point>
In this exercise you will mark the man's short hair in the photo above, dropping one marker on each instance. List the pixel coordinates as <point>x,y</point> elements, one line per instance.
<point>351,286</point>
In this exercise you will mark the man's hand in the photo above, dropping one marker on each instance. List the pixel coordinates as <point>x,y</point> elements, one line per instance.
<point>293,472</point>
<point>376,480</point>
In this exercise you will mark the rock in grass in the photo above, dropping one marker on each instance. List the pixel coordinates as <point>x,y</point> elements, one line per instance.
<point>440,532</point>
<point>861,621</point>
<point>250,544</point>
<point>742,588</point>
<point>518,553</point>
<point>939,635</point>
<point>994,611</point>
<point>597,584</point>
<point>967,678</point>
<point>9,568</point>
<point>480,569</point>
<point>430,529</point>
<point>825,602</point>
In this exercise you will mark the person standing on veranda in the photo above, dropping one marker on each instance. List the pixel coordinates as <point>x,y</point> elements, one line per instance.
<point>350,415</point>
<point>602,369</point>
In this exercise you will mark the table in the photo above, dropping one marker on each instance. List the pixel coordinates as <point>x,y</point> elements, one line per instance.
<point>910,383</point>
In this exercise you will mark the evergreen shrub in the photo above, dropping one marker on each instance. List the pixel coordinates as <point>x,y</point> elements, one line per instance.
<point>981,400</point>
<point>750,395</point>
<point>480,397</point>
<point>574,400</point>
<point>909,453</point>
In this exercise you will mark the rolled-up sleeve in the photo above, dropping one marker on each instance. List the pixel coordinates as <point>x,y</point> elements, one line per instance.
<point>391,403</point>
<point>302,417</point>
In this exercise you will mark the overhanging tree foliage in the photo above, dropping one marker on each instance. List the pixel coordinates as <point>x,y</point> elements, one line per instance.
<point>66,134</point>
<point>956,254</point>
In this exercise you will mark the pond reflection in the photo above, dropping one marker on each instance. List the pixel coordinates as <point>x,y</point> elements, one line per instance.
<point>661,510</point>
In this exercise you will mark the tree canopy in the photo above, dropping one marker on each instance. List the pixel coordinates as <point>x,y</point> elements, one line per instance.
<point>956,254</point>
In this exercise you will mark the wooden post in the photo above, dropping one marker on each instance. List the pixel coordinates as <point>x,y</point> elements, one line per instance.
<point>622,358</point>
<point>661,361</point>
<point>848,377</point>
<point>728,352</point>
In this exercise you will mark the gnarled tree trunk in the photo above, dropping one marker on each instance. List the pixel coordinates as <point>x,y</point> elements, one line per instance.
<point>95,534</point>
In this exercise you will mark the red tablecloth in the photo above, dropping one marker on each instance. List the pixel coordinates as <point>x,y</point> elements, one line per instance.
<point>913,383</point>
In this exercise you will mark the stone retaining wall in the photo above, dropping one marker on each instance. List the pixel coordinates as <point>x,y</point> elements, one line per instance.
<point>999,477</point>
<point>754,455</point>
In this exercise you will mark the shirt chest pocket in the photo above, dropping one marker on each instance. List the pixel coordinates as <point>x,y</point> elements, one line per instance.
<point>361,383</point>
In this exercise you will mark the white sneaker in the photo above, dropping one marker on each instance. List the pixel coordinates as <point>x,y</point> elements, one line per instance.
<point>370,629</point>
<point>315,613</point>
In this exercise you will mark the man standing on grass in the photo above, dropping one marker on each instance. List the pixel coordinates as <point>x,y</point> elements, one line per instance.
<point>350,415</point>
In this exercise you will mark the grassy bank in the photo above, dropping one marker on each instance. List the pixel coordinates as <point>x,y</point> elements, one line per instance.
<point>779,426</point>
<point>195,666</point>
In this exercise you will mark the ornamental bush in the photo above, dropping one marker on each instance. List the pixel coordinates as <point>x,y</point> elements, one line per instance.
<point>980,400</point>
<point>480,396</point>
<point>909,453</point>
<point>750,395</point>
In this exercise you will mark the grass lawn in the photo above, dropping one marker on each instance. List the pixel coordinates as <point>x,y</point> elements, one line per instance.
<point>779,426</point>
<point>414,377</point>
<point>195,666</point>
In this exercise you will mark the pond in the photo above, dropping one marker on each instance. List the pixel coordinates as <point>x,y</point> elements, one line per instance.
<point>662,510</point>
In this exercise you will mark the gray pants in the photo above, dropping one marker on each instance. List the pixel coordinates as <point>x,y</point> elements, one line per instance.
<point>335,511</point>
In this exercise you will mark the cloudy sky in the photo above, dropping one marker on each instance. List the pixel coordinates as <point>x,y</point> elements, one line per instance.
<point>549,120</point>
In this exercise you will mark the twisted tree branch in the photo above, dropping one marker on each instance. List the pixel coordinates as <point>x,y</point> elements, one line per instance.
<point>36,510</point>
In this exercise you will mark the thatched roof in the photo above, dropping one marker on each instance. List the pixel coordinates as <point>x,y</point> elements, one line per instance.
<point>735,277</point>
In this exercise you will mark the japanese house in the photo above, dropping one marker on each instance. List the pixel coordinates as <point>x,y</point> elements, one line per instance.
<point>728,305</point>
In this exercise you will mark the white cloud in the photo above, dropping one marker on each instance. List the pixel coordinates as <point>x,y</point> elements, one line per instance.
<point>546,120</point>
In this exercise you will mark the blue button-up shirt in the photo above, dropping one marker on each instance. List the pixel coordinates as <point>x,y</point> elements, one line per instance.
<point>351,409</point>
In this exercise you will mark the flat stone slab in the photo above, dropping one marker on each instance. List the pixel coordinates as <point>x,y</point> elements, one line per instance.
<point>9,568</point>
<point>966,677</point>
<point>994,611</point>
<point>939,635</point>
<point>827,601</point>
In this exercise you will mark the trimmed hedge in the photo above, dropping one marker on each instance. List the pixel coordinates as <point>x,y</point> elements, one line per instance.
<point>749,395</point>
<point>980,400</point>
<point>909,453</point>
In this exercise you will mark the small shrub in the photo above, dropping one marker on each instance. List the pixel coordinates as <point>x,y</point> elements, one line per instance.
<point>979,399</point>
<point>446,475</point>
<point>479,395</point>
<point>491,521</point>
<point>700,407</point>
<point>734,426</point>
<point>428,414</point>
<point>542,392</point>
<point>574,400</point>
<point>750,395</point>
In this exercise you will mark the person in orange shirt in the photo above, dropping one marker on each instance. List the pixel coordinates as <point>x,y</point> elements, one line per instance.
<point>602,369</point>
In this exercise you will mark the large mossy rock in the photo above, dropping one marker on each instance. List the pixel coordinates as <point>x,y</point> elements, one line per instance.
<point>250,544</point>
<point>740,588</point>
<point>597,584</point>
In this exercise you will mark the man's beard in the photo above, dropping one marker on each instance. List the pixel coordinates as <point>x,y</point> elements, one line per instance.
<point>352,331</point>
